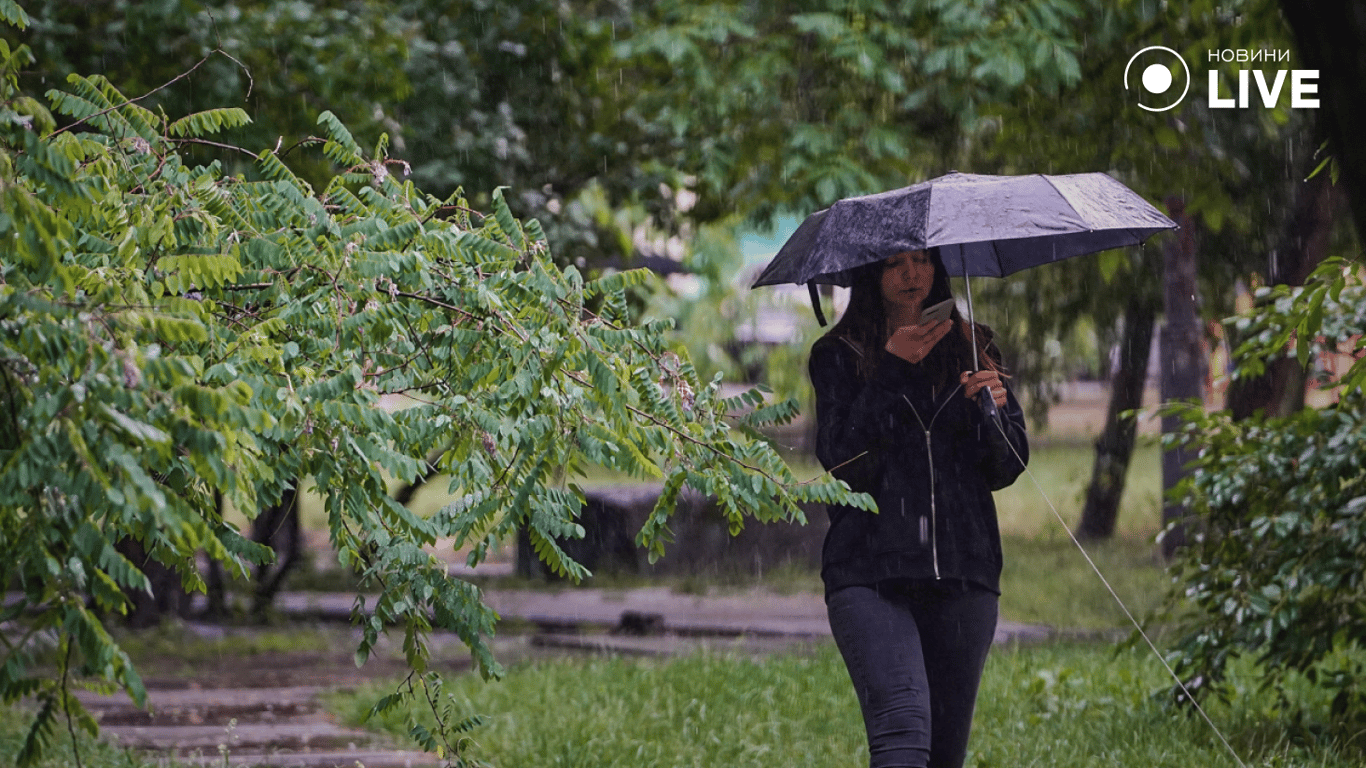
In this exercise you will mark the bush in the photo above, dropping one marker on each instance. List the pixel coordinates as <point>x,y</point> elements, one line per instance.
<point>1277,525</point>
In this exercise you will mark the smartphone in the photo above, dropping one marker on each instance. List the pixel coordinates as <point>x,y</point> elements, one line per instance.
<point>936,312</point>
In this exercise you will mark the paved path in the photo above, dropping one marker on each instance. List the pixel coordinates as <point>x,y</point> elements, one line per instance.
<point>575,610</point>
<point>283,727</point>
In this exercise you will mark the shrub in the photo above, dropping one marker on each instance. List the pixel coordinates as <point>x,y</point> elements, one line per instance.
<point>1277,523</point>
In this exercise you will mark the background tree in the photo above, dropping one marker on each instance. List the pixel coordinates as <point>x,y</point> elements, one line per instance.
<point>528,93</point>
<point>474,95</point>
<point>1229,172</point>
<point>1271,572</point>
<point>776,107</point>
<point>284,62</point>
<point>1329,38</point>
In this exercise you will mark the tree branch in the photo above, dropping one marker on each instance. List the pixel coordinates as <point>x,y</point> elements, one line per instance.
<point>216,144</point>
<point>161,87</point>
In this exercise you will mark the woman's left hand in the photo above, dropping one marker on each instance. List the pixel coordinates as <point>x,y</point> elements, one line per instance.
<point>973,383</point>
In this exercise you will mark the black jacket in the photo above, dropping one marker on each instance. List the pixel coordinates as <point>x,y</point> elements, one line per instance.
<point>927,458</point>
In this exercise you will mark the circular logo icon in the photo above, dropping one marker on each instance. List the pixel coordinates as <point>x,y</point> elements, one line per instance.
<point>1156,78</point>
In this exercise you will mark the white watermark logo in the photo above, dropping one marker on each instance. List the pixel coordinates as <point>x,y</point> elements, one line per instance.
<point>1157,81</point>
<point>1303,82</point>
<point>1157,78</point>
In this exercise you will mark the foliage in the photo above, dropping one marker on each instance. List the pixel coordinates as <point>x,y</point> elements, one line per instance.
<point>781,106</point>
<point>1273,567</point>
<point>83,750</point>
<point>1235,170</point>
<point>1325,316</point>
<point>521,93</point>
<point>282,61</point>
<point>171,335</point>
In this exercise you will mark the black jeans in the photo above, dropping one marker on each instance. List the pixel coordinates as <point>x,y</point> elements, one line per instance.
<point>915,653</point>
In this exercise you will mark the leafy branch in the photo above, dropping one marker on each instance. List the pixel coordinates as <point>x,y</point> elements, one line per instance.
<point>240,345</point>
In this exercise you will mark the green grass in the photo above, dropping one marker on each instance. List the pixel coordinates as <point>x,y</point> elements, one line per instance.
<point>1060,473</point>
<point>170,640</point>
<point>1048,581</point>
<point>1057,705</point>
<point>15,720</point>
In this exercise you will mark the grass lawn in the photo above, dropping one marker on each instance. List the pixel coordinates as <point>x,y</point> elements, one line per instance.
<point>1057,705</point>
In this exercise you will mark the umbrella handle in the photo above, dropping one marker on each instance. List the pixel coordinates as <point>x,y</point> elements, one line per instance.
<point>988,403</point>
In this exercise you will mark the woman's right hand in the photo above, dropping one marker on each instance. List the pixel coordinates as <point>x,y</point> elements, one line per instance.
<point>913,342</point>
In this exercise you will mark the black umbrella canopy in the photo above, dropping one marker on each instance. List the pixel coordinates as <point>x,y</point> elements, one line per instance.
<point>984,226</point>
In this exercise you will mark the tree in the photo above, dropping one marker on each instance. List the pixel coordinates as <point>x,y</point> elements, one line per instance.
<point>1329,37</point>
<point>1229,170</point>
<point>780,106</point>
<point>1305,242</point>
<point>284,62</point>
<point>1272,572</point>
<point>171,334</point>
<point>473,95</point>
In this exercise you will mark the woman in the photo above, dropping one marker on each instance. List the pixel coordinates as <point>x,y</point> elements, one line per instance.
<point>912,590</point>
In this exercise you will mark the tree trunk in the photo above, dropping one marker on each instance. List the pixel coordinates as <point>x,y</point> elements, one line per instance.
<point>1115,446</point>
<point>1330,36</point>
<point>1280,390</point>
<point>1183,361</point>
<point>168,595</point>
<point>277,526</point>
<point>215,588</point>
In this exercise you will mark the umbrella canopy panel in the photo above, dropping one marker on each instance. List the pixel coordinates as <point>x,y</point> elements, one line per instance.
<point>984,225</point>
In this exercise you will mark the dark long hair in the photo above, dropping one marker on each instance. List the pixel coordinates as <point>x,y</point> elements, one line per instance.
<point>864,325</point>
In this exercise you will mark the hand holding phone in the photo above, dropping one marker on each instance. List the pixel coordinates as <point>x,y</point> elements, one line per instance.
<point>936,312</point>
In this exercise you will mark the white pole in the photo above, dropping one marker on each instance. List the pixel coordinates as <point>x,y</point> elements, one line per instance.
<point>972,324</point>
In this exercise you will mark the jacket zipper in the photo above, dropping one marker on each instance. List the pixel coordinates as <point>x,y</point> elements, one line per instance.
<point>929,456</point>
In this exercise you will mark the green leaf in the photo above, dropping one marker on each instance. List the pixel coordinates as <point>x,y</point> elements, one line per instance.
<point>341,147</point>
<point>506,223</point>
<point>209,122</point>
<point>11,13</point>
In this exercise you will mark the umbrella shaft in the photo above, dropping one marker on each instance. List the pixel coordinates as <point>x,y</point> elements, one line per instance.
<point>972,323</point>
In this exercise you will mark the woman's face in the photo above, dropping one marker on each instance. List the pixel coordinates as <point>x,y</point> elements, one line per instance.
<point>906,281</point>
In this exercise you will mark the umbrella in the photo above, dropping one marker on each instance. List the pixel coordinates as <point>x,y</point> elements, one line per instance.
<point>983,226</point>
<point>1002,224</point>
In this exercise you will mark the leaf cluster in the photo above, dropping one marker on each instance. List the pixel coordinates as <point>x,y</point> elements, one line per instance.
<point>172,336</point>
<point>1278,523</point>
<point>792,106</point>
